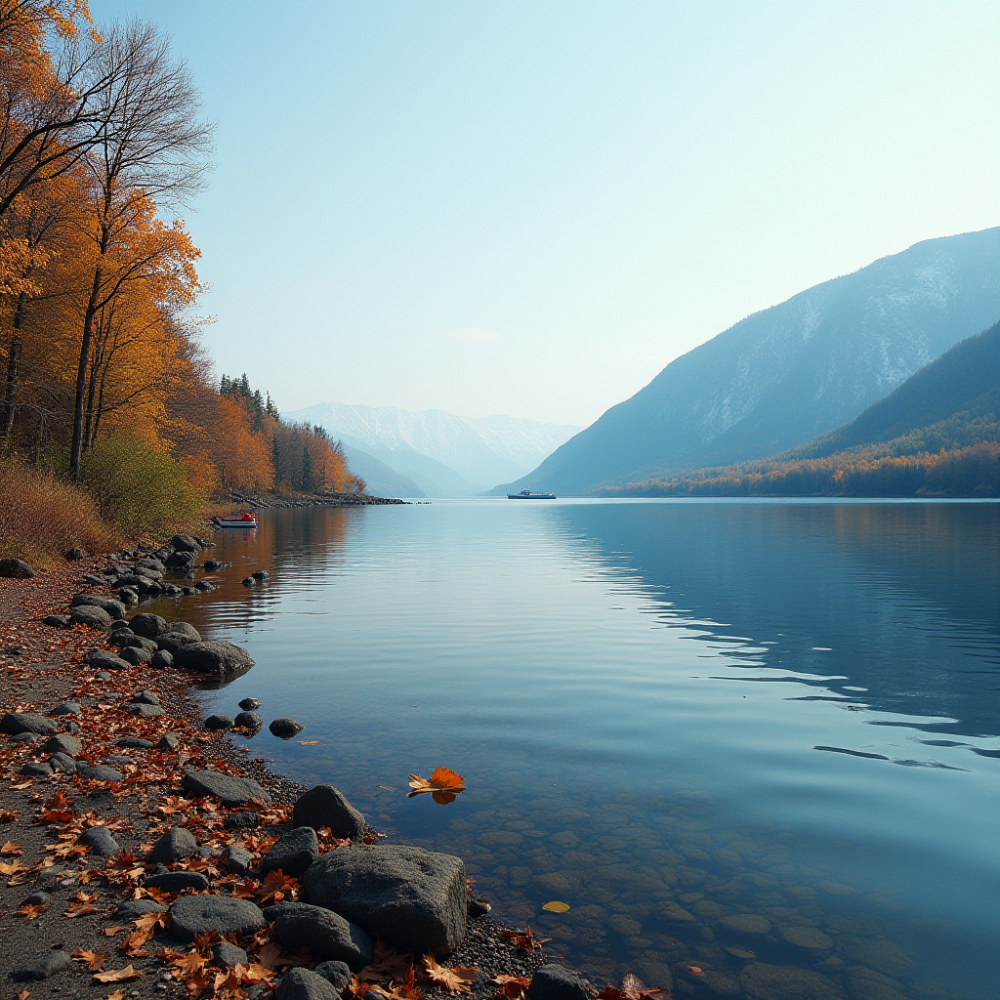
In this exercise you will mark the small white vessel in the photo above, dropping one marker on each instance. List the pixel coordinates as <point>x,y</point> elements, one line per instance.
<point>246,520</point>
<point>528,495</point>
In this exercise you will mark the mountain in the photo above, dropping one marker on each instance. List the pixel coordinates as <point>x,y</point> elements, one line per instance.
<point>381,480</point>
<point>787,374</point>
<point>452,455</point>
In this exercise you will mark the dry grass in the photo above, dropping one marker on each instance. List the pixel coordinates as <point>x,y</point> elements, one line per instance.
<point>42,516</point>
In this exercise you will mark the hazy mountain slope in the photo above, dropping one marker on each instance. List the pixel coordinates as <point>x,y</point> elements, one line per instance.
<point>950,403</point>
<point>481,451</point>
<point>433,478</point>
<point>792,372</point>
<point>381,480</point>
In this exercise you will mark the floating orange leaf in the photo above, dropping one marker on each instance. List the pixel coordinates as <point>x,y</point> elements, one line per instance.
<point>444,784</point>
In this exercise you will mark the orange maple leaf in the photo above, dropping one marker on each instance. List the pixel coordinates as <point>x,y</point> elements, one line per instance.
<point>31,910</point>
<point>454,979</point>
<point>525,939</point>
<point>117,975</point>
<point>93,959</point>
<point>443,785</point>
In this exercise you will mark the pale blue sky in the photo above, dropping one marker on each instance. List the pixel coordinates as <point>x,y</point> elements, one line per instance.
<point>531,207</point>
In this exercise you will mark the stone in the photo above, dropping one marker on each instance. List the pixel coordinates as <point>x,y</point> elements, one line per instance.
<point>478,906</point>
<point>193,915</point>
<point>211,565</point>
<point>178,561</point>
<point>103,659</point>
<point>218,722</point>
<point>248,581</point>
<point>301,984</point>
<point>337,974</point>
<point>326,806</point>
<point>134,908</point>
<point>103,675</point>
<point>144,711</point>
<point>145,697</point>
<point>114,608</point>
<point>67,708</point>
<point>555,982</point>
<point>250,721</point>
<point>748,924</point>
<point>411,898</point>
<point>98,772</point>
<point>786,982</point>
<point>129,596</point>
<point>181,629</point>
<point>33,738</point>
<point>37,898</point>
<point>170,642</point>
<point>136,655</point>
<point>41,968</point>
<point>168,742</point>
<point>229,790</point>
<point>243,820</point>
<point>285,728</point>
<point>26,722</point>
<point>177,882</point>
<point>227,955</point>
<point>238,860</point>
<point>149,626</point>
<point>260,574</point>
<point>90,616</point>
<point>293,853</point>
<point>72,727</point>
<point>249,704</point>
<point>224,659</point>
<point>174,845</point>
<point>162,660</point>
<point>325,933</point>
<point>134,743</point>
<point>35,769</point>
<point>100,840</point>
<point>15,569</point>
<point>184,543</point>
<point>56,621</point>
<point>61,743</point>
<point>808,938</point>
<point>63,763</point>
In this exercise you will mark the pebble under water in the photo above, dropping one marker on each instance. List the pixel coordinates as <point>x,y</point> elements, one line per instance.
<point>753,745</point>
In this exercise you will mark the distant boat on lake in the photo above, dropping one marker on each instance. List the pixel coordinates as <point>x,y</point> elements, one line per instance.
<point>528,495</point>
<point>247,520</point>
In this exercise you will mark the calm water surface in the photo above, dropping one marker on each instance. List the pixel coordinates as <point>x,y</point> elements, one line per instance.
<point>667,713</point>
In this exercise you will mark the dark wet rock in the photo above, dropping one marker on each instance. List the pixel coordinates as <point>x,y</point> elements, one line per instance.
<point>193,915</point>
<point>184,543</point>
<point>293,853</point>
<point>324,805</point>
<point>249,704</point>
<point>224,659</point>
<point>103,659</point>
<point>136,655</point>
<point>172,641</point>
<point>114,608</point>
<point>129,596</point>
<point>179,561</point>
<point>285,728</point>
<point>149,626</point>
<point>96,618</point>
<point>555,982</point>
<point>337,974</point>
<point>243,820</point>
<point>260,574</point>
<point>41,968</point>
<point>138,582</point>
<point>238,860</point>
<point>140,642</point>
<point>137,908</point>
<point>227,955</point>
<point>144,711</point>
<point>478,907</point>
<point>67,708</point>
<point>100,841</point>
<point>218,722</point>
<point>149,562</point>
<point>248,581</point>
<point>26,722</point>
<point>411,898</point>
<point>229,790</point>
<point>27,738</point>
<point>786,982</point>
<point>250,721</point>
<point>168,742</point>
<point>37,898</point>
<point>745,925</point>
<point>145,697</point>
<point>301,984</point>
<point>56,621</point>
<point>15,569</point>
<point>325,933</point>
<point>61,743</point>
<point>204,585</point>
<point>121,625</point>
<point>134,743</point>
<point>177,882</point>
<point>183,628</point>
<point>35,769</point>
<point>211,565</point>
<point>162,660</point>
<point>174,845</point>
<point>98,772</point>
<point>63,763</point>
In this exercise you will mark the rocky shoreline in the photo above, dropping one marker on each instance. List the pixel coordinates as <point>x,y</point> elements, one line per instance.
<point>269,501</point>
<point>144,854</point>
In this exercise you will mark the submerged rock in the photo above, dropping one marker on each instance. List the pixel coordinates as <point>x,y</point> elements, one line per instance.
<point>786,982</point>
<point>285,729</point>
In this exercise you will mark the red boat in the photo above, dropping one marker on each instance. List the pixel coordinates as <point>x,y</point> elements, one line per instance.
<point>246,520</point>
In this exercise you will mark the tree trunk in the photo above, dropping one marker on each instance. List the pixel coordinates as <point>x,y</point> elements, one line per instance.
<point>10,393</point>
<point>76,448</point>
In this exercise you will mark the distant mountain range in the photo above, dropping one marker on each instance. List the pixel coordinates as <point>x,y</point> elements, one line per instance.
<point>438,453</point>
<point>791,373</point>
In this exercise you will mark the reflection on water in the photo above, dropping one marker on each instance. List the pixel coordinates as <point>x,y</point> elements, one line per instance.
<point>759,739</point>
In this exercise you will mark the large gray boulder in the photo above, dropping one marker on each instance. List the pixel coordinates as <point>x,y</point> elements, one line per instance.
<point>114,608</point>
<point>87,614</point>
<point>301,984</point>
<point>224,659</point>
<point>13,723</point>
<point>230,791</point>
<point>555,982</point>
<point>325,933</point>
<point>174,845</point>
<point>16,569</point>
<point>184,543</point>
<point>324,805</point>
<point>293,853</point>
<point>148,626</point>
<point>411,898</point>
<point>193,915</point>
<point>104,659</point>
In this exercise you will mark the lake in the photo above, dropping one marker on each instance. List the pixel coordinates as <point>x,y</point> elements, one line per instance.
<point>669,714</point>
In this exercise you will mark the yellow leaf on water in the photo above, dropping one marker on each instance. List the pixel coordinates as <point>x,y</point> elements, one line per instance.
<point>555,906</point>
<point>308,743</point>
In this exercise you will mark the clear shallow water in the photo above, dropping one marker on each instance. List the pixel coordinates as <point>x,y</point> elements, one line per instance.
<point>666,713</point>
